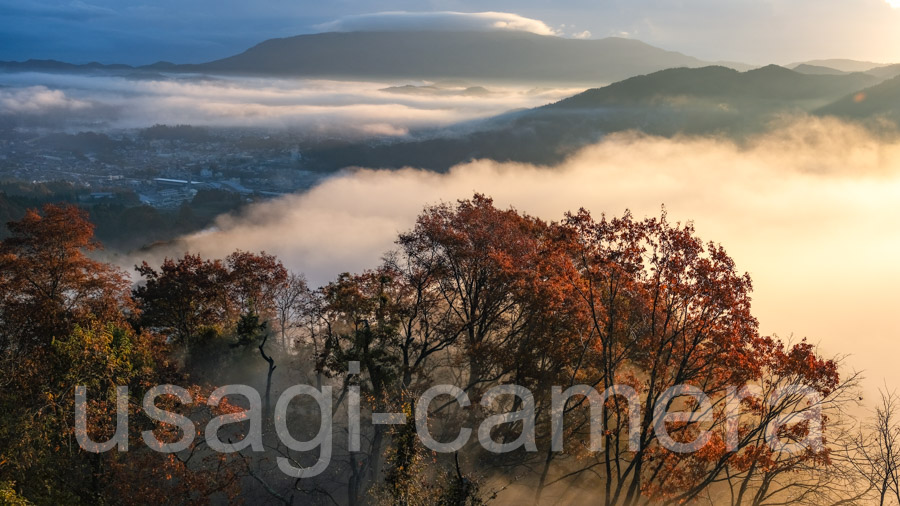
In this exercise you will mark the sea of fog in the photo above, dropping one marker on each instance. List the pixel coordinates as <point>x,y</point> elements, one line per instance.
<point>85,101</point>
<point>810,209</point>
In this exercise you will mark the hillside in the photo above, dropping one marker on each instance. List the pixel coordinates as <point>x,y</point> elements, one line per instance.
<point>818,70</point>
<point>58,66</point>
<point>484,55</point>
<point>886,72</point>
<point>497,55</point>
<point>842,64</point>
<point>880,100</point>
<point>704,101</point>
<point>770,83</point>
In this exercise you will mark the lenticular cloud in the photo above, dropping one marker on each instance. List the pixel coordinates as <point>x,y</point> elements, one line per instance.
<point>437,21</point>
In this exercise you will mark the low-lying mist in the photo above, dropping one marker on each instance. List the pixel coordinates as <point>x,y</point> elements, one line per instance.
<point>70,101</point>
<point>811,210</point>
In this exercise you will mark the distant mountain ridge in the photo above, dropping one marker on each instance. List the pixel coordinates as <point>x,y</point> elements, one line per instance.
<point>841,64</point>
<point>805,68</point>
<point>772,83</point>
<point>500,55</point>
<point>880,70</point>
<point>682,101</point>
<point>886,72</point>
<point>59,66</point>
<point>486,55</point>
<point>493,55</point>
<point>881,100</point>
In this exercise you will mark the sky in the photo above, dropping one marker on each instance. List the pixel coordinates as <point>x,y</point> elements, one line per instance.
<point>184,31</point>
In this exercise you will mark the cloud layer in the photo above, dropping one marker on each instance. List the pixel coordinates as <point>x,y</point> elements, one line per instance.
<point>37,100</point>
<point>811,210</point>
<point>362,108</point>
<point>437,21</point>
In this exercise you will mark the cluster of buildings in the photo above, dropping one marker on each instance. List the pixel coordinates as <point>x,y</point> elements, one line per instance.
<point>162,174</point>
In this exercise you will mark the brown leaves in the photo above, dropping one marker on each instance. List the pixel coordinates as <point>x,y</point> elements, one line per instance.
<point>190,294</point>
<point>48,283</point>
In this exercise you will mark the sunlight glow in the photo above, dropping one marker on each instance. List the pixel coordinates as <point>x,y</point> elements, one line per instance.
<point>893,3</point>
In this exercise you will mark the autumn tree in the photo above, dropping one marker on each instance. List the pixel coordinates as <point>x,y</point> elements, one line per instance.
<point>51,291</point>
<point>193,295</point>
<point>481,297</point>
<point>48,284</point>
<point>65,324</point>
<point>491,297</point>
<point>293,304</point>
<point>183,297</point>
<point>254,280</point>
<point>465,248</point>
<point>876,448</point>
<point>667,310</point>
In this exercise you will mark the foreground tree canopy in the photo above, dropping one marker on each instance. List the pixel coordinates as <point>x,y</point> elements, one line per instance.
<point>472,296</point>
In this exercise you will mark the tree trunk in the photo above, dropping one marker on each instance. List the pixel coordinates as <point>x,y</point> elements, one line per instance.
<point>271,361</point>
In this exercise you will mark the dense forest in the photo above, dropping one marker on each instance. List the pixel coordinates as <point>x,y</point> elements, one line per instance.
<point>565,345</point>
